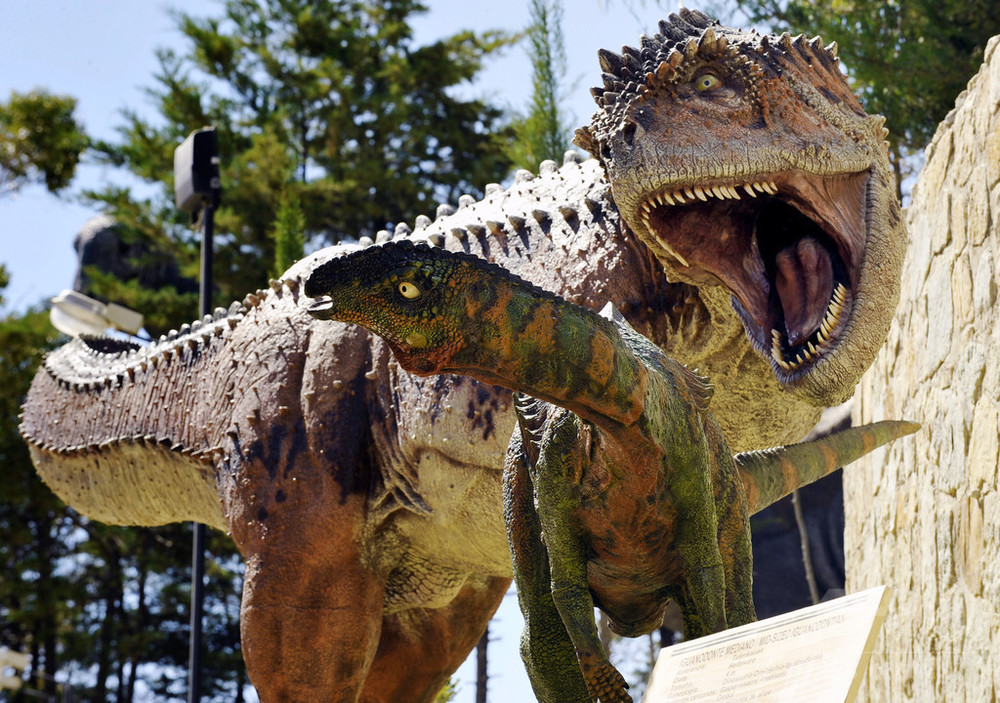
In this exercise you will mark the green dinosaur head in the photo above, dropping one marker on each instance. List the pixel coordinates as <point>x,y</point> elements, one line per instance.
<point>401,291</point>
<point>748,166</point>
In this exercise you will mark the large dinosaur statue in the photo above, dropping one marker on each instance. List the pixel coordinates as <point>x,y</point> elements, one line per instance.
<point>365,500</point>
<point>619,487</point>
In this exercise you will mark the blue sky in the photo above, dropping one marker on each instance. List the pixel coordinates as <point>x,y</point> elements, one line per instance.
<point>102,53</point>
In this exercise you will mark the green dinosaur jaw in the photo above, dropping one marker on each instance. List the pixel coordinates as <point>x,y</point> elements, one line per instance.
<point>788,247</point>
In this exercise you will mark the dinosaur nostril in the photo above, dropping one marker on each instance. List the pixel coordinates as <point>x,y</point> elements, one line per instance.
<point>628,133</point>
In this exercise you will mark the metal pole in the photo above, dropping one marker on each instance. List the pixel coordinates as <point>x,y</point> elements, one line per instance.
<point>198,550</point>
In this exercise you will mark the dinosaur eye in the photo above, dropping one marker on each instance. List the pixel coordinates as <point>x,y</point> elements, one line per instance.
<point>707,81</point>
<point>408,290</point>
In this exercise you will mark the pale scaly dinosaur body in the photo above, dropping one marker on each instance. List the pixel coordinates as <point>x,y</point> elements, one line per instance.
<point>620,489</point>
<point>345,480</point>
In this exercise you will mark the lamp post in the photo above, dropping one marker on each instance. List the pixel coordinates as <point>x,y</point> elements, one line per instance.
<point>198,190</point>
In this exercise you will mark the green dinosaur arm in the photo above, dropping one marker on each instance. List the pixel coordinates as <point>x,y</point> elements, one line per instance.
<point>445,312</point>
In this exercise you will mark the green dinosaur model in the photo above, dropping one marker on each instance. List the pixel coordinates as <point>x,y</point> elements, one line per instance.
<point>625,495</point>
<point>365,500</point>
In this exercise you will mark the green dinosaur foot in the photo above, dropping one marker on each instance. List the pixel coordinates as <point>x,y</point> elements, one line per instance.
<point>605,682</point>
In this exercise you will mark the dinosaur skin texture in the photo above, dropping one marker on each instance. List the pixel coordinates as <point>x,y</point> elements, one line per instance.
<point>366,500</point>
<point>619,487</point>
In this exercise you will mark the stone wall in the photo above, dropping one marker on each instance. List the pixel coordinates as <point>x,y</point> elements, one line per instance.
<point>923,517</point>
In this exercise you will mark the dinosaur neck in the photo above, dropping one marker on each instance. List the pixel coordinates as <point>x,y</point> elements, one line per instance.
<point>524,339</point>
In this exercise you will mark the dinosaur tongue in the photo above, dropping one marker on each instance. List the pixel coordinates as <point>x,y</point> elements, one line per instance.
<point>804,283</point>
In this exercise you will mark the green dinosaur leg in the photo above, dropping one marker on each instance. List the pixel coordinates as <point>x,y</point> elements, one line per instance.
<point>557,494</point>
<point>546,648</point>
<point>734,543</point>
<point>697,535</point>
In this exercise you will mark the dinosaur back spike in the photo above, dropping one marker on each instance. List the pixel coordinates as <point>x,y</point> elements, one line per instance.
<point>772,474</point>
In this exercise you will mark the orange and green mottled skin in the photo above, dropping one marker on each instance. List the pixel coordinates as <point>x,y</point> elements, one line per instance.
<point>619,487</point>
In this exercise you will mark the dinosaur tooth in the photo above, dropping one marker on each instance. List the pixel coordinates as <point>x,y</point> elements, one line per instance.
<point>365,241</point>
<point>492,189</point>
<point>516,221</point>
<point>460,233</point>
<point>422,222</point>
<point>476,228</point>
<point>382,236</point>
<point>401,231</point>
<point>466,200</point>
<point>275,285</point>
<point>444,210</point>
<point>436,239</point>
<point>833,48</point>
<point>593,205</point>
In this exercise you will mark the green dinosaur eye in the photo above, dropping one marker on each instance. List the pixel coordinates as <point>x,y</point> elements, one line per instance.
<point>707,81</point>
<point>408,289</point>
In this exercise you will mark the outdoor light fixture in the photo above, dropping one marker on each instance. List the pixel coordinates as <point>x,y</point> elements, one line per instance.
<point>196,173</point>
<point>74,314</point>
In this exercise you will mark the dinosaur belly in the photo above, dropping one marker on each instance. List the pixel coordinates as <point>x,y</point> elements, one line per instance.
<point>436,518</point>
<point>633,562</point>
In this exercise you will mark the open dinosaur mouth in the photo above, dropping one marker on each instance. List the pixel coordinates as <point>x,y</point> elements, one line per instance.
<point>788,247</point>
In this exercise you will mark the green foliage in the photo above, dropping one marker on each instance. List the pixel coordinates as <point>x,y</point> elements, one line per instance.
<point>907,60</point>
<point>543,133</point>
<point>334,94</point>
<point>40,141</point>
<point>289,232</point>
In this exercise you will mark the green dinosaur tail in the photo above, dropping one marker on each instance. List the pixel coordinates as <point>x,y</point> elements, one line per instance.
<point>771,474</point>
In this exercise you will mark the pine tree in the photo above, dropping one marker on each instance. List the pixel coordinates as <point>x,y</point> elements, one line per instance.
<point>40,141</point>
<point>338,96</point>
<point>543,133</point>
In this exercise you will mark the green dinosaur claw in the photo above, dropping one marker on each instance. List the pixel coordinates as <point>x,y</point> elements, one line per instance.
<point>606,684</point>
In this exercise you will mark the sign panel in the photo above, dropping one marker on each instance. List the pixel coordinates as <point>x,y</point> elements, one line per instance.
<point>814,655</point>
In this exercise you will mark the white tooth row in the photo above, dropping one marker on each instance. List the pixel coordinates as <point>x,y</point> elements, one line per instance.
<point>682,196</point>
<point>833,312</point>
<point>689,194</point>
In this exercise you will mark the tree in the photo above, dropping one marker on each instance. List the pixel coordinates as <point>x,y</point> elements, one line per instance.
<point>907,60</point>
<point>40,141</point>
<point>543,132</point>
<point>332,97</point>
<point>289,232</point>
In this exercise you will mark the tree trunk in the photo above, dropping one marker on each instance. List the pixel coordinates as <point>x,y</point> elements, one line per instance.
<point>481,674</point>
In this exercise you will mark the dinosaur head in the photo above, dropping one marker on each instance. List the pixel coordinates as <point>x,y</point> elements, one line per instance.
<point>400,291</point>
<point>748,166</point>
